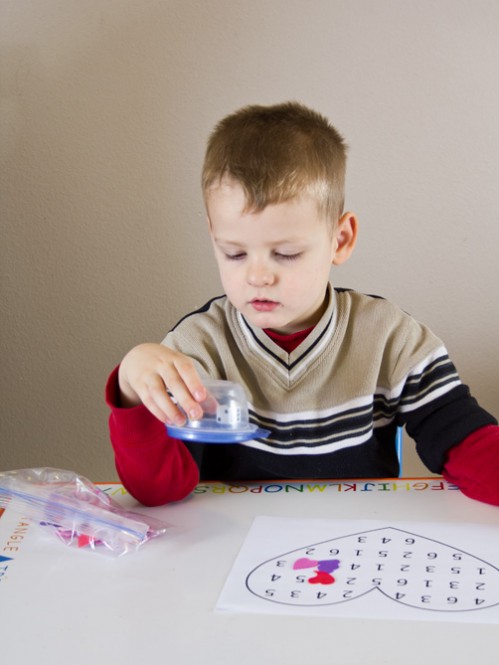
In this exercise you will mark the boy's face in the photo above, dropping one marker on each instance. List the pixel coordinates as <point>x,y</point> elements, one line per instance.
<point>274,264</point>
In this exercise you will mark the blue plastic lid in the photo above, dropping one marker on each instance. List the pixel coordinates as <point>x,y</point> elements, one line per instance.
<point>225,417</point>
<point>200,435</point>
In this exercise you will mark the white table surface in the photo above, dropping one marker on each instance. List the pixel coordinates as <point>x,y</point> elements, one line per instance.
<point>59,605</point>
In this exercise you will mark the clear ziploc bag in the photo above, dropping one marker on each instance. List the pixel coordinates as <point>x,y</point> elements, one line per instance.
<point>81,514</point>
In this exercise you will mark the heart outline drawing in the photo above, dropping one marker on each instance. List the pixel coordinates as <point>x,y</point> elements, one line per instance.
<point>405,567</point>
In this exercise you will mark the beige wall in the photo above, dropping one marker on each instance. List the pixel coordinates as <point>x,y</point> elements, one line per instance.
<point>105,108</point>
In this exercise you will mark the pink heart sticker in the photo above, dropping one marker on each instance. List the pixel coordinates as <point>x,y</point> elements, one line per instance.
<point>304,563</point>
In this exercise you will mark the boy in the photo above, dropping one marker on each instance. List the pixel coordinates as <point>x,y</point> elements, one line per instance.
<point>330,372</point>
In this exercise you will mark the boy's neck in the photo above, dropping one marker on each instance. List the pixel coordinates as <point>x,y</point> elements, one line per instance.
<point>288,342</point>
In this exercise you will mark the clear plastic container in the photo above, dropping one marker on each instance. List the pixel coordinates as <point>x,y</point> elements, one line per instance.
<point>225,417</point>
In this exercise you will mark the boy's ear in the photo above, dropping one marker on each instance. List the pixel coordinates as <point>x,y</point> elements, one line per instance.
<point>345,237</point>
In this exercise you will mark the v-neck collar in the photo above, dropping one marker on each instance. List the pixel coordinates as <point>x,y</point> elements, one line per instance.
<point>291,366</point>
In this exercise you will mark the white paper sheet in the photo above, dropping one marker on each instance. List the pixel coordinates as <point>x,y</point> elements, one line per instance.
<point>371,569</point>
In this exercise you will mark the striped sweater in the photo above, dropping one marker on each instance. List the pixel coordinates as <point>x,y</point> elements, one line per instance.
<point>332,405</point>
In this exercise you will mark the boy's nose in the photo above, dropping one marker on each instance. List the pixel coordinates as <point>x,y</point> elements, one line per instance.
<point>260,275</point>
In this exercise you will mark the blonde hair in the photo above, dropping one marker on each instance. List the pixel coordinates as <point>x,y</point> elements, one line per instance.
<point>277,153</point>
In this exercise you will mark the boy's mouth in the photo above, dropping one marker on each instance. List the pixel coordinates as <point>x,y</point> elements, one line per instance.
<point>262,305</point>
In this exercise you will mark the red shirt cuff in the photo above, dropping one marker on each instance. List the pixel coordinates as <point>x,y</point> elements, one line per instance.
<point>473,465</point>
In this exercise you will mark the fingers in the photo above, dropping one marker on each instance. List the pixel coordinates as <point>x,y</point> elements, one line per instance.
<point>190,390</point>
<point>155,398</point>
<point>175,383</point>
<point>158,377</point>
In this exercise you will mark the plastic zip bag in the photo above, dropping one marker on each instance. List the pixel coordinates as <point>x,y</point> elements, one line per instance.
<point>81,514</point>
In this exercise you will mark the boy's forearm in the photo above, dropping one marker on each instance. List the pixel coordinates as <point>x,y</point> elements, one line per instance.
<point>154,468</point>
<point>161,474</point>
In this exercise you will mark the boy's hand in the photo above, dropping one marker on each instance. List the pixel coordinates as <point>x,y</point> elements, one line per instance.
<point>148,371</point>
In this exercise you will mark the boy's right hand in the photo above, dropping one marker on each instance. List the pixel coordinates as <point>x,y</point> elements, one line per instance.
<point>149,371</point>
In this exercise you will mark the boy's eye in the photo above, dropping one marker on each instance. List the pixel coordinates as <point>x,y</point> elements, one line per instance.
<point>235,257</point>
<point>239,256</point>
<point>288,257</point>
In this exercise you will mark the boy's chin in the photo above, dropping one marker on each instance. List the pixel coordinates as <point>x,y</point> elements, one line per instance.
<point>265,321</point>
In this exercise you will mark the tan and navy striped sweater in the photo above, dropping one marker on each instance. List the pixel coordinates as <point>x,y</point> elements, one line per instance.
<point>332,405</point>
